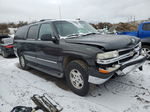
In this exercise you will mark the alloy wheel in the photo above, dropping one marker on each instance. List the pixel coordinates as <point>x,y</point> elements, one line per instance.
<point>76,79</point>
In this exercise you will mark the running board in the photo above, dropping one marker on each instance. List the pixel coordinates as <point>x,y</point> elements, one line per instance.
<point>46,70</point>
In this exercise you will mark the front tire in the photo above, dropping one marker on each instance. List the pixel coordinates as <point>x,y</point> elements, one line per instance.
<point>23,62</point>
<point>77,77</point>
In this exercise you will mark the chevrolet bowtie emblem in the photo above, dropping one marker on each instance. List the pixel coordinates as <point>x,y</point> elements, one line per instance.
<point>131,53</point>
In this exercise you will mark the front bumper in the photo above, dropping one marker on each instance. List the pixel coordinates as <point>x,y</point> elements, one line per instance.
<point>131,65</point>
<point>124,68</point>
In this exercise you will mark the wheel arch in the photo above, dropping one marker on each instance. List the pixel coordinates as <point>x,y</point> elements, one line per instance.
<point>19,52</point>
<point>68,59</point>
<point>145,43</point>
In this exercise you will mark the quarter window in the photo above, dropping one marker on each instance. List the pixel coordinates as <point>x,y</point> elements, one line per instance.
<point>45,29</point>
<point>33,32</point>
<point>22,32</point>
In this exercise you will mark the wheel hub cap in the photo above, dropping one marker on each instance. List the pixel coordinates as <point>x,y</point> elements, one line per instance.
<point>76,79</point>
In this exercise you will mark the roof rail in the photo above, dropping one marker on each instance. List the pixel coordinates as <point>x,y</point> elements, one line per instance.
<point>39,21</point>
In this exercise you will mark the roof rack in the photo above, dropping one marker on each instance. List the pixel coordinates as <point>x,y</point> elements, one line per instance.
<point>39,21</point>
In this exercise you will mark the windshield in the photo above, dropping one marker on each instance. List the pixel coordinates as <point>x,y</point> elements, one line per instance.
<point>73,28</point>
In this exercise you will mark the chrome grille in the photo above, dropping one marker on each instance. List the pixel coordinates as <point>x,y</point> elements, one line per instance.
<point>135,49</point>
<point>124,55</point>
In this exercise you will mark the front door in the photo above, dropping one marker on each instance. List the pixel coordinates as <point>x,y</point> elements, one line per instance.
<point>48,51</point>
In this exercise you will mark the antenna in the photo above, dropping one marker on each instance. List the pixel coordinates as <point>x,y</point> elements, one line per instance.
<point>59,7</point>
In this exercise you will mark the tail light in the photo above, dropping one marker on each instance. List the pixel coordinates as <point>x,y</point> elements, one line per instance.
<point>9,46</point>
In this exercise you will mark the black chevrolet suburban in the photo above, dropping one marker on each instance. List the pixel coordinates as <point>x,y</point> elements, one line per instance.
<point>75,50</point>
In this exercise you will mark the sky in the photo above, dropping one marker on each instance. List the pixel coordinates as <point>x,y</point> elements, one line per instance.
<point>89,10</point>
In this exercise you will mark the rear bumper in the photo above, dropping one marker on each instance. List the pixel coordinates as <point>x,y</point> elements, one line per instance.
<point>9,51</point>
<point>125,68</point>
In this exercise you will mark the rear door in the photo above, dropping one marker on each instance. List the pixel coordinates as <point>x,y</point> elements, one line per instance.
<point>30,44</point>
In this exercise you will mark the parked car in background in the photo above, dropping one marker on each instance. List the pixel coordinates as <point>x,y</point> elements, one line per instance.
<point>6,46</point>
<point>76,51</point>
<point>144,34</point>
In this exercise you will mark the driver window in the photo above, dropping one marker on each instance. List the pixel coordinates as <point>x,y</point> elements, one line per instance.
<point>45,29</point>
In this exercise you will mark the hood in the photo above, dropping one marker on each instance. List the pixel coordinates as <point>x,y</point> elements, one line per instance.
<point>109,42</point>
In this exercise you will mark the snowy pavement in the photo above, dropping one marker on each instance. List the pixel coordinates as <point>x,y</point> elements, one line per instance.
<point>129,93</point>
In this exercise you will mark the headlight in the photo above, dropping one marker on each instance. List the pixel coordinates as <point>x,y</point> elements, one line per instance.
<point>107,55</point>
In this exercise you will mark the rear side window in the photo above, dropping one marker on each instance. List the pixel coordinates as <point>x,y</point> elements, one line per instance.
<point>33,32</point>
<point>21,32</point>
<point>45,29</point>
<point>146,27</point>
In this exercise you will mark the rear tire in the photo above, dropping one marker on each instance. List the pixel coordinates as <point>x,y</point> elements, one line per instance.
<point>4,54</point>
<point>146,48</point>
<point>77,77</point>
<point>23,62</point>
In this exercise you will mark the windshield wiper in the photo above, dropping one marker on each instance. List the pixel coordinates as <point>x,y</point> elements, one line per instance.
<point>77,35</point>
<point>73,35</point>
<point>92,33</point>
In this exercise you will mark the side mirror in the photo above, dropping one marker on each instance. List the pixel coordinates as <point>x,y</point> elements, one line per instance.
<point>47,37</point>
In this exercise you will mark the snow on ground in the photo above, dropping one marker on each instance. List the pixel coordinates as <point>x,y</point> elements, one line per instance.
<point>129,93</point>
